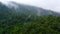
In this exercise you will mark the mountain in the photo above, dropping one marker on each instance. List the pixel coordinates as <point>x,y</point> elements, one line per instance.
<point>31,10</point>
<point>18,18</point>
<point>18,9</point>
<point>5,12</point>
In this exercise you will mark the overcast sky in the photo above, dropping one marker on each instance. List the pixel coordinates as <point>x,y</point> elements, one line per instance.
<point>47,4</point>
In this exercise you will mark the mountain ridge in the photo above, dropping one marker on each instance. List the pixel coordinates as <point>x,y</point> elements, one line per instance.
<point>26,9</point>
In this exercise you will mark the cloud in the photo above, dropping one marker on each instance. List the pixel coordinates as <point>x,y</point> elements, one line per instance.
<point>47,4</point>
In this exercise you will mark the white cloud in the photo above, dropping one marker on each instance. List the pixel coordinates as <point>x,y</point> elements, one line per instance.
<point>47,4</point>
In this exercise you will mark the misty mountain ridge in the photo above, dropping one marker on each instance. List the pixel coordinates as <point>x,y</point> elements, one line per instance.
<point>18,9</point>
<point>18,18</point>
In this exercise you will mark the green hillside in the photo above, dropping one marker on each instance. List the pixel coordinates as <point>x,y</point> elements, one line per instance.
<point>28,20</point>
<point>33,25</point>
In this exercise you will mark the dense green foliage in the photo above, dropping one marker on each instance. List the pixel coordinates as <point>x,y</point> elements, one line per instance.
<point>30,25</point>
<point>28,20</point>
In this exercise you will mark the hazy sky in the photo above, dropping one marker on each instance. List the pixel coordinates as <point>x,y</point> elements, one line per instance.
<point>47,4</point>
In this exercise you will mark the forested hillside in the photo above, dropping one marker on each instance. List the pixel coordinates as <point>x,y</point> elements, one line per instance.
<point>34,25</point>
<point>28,20</point>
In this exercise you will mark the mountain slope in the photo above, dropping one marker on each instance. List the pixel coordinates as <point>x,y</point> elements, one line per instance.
<point>18,9</point>
<point>26,9</point>
<point>24,19</point>
<point>5,12</point>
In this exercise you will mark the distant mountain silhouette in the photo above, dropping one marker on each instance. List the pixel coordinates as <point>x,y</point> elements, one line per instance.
<point>18,9</point>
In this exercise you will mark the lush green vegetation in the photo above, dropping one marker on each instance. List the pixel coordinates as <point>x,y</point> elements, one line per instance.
<point>33,25</point>
<point>24,21</point>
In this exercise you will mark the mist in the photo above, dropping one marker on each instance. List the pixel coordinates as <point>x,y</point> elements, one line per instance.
<point>46,4</point>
